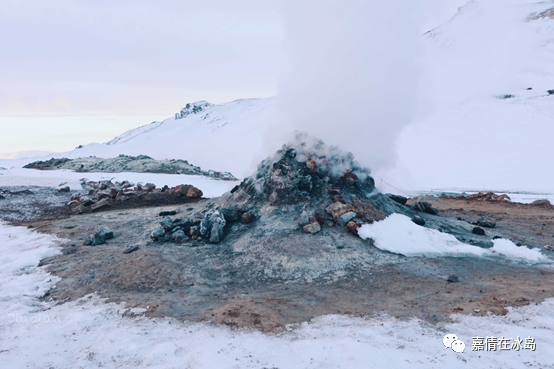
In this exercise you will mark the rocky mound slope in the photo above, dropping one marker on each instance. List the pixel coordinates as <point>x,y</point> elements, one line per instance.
<point>125,163</point>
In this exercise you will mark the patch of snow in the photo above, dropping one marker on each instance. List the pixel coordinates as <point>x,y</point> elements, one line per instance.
<point>398,234</point>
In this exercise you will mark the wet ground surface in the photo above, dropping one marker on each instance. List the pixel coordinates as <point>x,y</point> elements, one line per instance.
<point>266,288</point>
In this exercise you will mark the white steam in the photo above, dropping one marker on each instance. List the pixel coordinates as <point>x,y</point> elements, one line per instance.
<point>351,77</point>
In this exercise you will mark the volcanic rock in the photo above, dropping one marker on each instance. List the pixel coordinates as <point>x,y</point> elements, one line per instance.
<point>246,218</point>
<point>424,207</point>
<point>158,234</point>
<point>231,215</point>
<point>486,222</point>
<point>347,217</point>
<point>478,231</point>
<point>312,228</point>
<point>64,189</point>
<point>337,209</point>
<point>418,220</point>
<point>105,232</point>
<point>179,236</point>
<point>399,199</point>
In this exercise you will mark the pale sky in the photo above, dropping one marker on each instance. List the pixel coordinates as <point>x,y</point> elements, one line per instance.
<point>75,71</point>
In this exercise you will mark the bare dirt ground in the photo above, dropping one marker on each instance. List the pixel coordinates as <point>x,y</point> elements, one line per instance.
<point>216,282</point>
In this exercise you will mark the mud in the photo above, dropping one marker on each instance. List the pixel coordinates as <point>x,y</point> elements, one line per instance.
<point>219,283</point>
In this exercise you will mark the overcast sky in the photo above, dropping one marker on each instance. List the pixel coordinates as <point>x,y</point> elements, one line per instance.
<point>74,72</point>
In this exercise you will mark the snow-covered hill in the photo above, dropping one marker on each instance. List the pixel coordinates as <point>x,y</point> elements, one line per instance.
<point>485,118</point>
<point>226,137</point>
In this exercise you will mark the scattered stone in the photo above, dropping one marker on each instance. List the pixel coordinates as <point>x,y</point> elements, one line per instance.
<point>347,217</point>
<point>486,222</point>
<point>64,189</point>
<point>424,207</point>
<point>105,232</point>
<point>452,278</point>
<point>397,198</point>
<point>158,234</point>
<point>478,231</point>
<point>312,228</point>
<point>349,178</point>
<point>550,92</point>
<point>549,248</point>
<point>166,213</point>
<point>97,239</point>
<point>337,209</point>
<point>304,219</point>
<point>246,218</point>
<point>418,220</point>
<point>353,227</point>
<point>130,249</point>
<point>194,232</point>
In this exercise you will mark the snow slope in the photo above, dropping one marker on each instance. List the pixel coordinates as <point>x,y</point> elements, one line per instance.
<point>227,137</point>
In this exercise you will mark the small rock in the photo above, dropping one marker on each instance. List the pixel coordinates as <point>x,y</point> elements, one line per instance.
<point>321,219</point>
<point>105,232</point>
<point>486,222</point>
<point>452,278</point>
<point>64,189</point>
<point>347,217</point>
<point>158,234</point>
<point>130,249</point>
<point>352,227</point>
<point>179,236</point>
<point>166,213</point>
<point>96,239</point>
<point>478,231</point>
<point>477,310</point>
<point>337,209</point>
<point>397,198</point>
<point>418,220</point>
<point>424,207</point>
<point>312,228</point>
<point>216,234</point>
<point>194,232</point>
<point>167,224</point>
<point>304,219</point>
<point>246,218</point>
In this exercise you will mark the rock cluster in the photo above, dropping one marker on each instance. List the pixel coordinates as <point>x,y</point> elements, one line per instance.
<point>210,228</point>
<point>104,194</point>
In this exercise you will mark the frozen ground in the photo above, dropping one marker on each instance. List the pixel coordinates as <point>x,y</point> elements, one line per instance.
<point>90,334</point>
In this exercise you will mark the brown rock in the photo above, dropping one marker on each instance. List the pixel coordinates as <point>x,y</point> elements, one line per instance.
<point>339,198</point>
<point>149,187</point>
<point>352,227</point>
<point>321,219</point>
<point>312,165</point>
<point>367,212</point>
<point>179,191</point>
<point>113,192</point>
<point>337,209</point>
<point>349,178</point>
<point>194,192</point>
<point>246,218</point>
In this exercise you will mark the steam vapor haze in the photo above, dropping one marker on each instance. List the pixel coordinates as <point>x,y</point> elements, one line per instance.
<point>351,75</point>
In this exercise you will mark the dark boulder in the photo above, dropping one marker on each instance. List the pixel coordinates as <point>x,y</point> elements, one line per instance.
<point>486,222</point>
<point>418,220</point>
<point>399,199</point>
<point>478,231</point>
